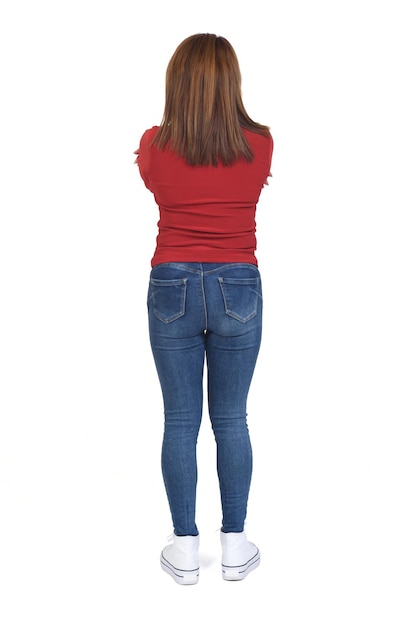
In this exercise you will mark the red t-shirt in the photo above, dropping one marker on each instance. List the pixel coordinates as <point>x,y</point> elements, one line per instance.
<point>207,214</point>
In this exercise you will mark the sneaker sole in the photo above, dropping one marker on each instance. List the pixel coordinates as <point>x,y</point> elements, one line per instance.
<point>181,576</point>
<point>239,572</point>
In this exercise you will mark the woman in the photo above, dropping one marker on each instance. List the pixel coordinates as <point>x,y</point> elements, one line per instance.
<point>206,165</point>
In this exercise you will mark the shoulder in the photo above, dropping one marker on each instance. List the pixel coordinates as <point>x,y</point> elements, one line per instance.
<point>148,136</point>
<point>256,139</point>
<point>262,146</point>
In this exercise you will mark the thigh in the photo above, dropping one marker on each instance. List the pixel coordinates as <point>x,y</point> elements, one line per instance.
<point>233,337</point>
<point>176,332</point>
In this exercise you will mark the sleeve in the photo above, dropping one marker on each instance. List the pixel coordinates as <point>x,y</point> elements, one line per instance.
<point>271,150</point>
<point>143,158</point>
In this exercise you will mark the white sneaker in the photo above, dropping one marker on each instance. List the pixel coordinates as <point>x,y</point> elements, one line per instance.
<point>239,557</point>
<point>180,559</point>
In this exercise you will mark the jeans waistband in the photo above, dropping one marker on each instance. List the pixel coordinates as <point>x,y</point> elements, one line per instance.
<point>204,268</point>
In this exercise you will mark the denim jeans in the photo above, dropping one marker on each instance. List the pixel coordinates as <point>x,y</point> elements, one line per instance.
<point>205,312</point>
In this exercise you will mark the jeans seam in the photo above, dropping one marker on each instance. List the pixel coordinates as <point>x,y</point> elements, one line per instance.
<point>203,294</point>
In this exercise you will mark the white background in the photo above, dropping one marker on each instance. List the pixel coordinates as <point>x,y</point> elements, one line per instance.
<point>332,409</point>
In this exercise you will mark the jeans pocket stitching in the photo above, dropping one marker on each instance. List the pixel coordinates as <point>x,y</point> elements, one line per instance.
<point>249,282</point>
<point>168,284</point>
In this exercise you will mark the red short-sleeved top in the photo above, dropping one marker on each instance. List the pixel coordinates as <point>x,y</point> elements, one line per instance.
<point>207,213</point>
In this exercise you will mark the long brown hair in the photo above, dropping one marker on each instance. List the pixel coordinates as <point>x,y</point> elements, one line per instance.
<point>204,115</point>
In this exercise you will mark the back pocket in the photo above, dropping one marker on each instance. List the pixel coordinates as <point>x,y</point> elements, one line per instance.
<point>167,298</point>
<point>241,297</point>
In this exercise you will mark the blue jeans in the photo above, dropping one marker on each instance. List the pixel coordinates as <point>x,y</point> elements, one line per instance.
<point>212,312</point>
